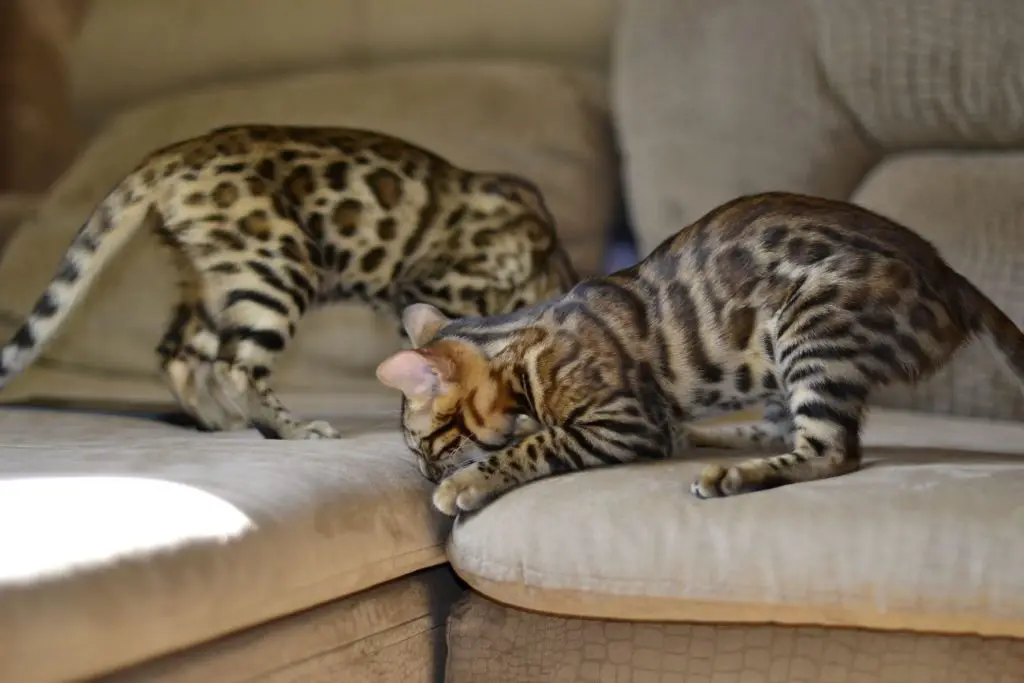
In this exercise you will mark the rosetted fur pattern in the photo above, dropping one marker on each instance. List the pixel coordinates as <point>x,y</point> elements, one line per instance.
<point>265,222</point>
<point>798,304</point>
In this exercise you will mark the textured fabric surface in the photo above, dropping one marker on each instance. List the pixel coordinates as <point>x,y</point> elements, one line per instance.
<point>532,120</point>
<point>719,99</point>
<point>138,538</point>
<point>925,73</point>
<point>188,43</point>
<point>15,208</point>
<point>38,135</point>
<point>971,206</point>
<point>391,634</point>
<point>497,644</point>
<point>926,537</point>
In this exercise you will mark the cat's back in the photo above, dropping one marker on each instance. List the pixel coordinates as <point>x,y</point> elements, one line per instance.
<point>800,228</point>
<point>316,168</point>
<point>774,233</point>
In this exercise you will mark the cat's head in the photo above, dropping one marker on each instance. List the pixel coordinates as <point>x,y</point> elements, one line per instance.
<point>455,406</point>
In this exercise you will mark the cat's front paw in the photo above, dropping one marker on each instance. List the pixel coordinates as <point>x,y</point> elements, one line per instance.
<point>316,430</point>
<point>467,490</point>
<point>717,481</point>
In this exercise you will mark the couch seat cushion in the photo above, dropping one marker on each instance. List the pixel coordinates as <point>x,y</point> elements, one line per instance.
<point>927,537</point>
<point>124,538</point>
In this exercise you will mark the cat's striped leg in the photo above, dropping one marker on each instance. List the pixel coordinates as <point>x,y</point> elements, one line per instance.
<point>257,311</point>
<point>774,432</point>
<point>548,452</point>
<point>827,413</point>
<point>187,351</point>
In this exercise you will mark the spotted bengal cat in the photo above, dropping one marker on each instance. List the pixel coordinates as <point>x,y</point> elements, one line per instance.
<point>798,303</point>
<point>267,221</point>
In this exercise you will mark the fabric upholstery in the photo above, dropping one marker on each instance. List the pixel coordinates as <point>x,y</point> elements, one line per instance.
<point>719,99</point>
<point>15,208</point>
<point>533,120</point>
<point>838,95</point>
<point>38,133</point>
<point>393,633</point>
<point>180,45</point>
<point>715,100</point>
<point>926,537</point>
<point>498,644</point>
<point>138,538</point>
<point>971,206</point>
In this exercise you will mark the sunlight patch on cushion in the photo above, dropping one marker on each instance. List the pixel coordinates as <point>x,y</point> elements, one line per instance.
<point>51,525</point>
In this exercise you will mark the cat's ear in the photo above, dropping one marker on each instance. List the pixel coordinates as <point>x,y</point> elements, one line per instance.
<point>421,322</point>
<point>417,376</point>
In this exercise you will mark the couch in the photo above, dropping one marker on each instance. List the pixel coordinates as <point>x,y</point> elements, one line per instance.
<point>136,550</point>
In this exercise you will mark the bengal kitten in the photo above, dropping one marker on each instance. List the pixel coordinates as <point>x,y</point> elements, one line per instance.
<point>267,221</point>
<point>801,304</point>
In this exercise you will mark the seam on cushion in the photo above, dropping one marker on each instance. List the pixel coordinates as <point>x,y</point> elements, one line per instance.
<point>572,604</point>
<point>578,584</point>
<point>238,624</point>
<point>341,647</point>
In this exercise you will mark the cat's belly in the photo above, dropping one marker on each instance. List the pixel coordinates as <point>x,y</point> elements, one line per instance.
<point>742,385</point>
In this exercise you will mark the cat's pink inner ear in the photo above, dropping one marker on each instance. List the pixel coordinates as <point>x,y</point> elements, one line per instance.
<point>422,322</point>
<point>409,372</point>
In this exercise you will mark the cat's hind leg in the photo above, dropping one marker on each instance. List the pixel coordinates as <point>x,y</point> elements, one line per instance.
<point>187,352</point>
<point>773,432</point>
<point>255,310</point>
<point>827,417</point>
<point>826,369</point>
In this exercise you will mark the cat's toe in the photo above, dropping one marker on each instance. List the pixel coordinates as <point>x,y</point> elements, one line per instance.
<point>471,499</point>
<point>465,490</point>
<point>319,429</point>
<point>715,481</point>
<point>445,498</point>
<point>303,431</point>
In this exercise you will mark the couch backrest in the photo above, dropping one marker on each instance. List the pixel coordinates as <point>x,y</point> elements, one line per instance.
<point>180,45</point>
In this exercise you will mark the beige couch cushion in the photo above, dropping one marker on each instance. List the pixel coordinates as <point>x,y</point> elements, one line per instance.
<point>533,120</point>
<point>719,99</point>
<point>926,538</point>
<point>393,633</point>
<point>714,100</point>
<point>15,208</point>
<point>136,538</point>
<point>187,43</point>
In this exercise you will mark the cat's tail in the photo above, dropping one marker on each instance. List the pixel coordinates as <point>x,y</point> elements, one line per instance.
<point>1008,338</point>
<point>110,226</point>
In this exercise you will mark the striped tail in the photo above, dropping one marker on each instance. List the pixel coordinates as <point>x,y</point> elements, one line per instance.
<point>1008,338</point>
<point>105,232</point>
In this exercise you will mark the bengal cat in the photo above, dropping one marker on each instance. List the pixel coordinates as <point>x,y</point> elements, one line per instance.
<point>267,221</point>
<point>801,304</point>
